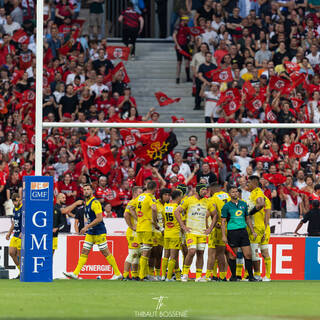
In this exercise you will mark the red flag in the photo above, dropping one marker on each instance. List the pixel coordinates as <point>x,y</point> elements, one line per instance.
<point>222,75</point>
<point>248,89</point>
<point>102,159</point>
<point>120,67</point>
<point>115,52</point>
<point>297,78</point>
<point>176,120</point>
<point>229,249</point>
<point>196,31</point>
<point>270,116</point>
<point>184,53</point>
<point>155,147</point>
<point>84,148</point>
<point>275,179</point>
<point>164,100</point>
<point>255,104</point>
<point>113,197</point>
<point>310,134</point>
<point>297,150</point>
<point>130,136</point>
<point>297,103</point>
<point>20,36</point>
<point>291,66</point>
<point>231,107</point>
<point>64,49</point>
<point>228,95</point>
<point>278,83</point>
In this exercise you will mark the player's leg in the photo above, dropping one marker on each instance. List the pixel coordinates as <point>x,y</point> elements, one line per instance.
<point>201,245</point>
<point>87,246</point>
<point>234,242</point>
<point>13,252</point>
<point>147,242</point>
<point>255,245</point>
<point>157,261</point>
<point>165,258</point>
<point>101,241</point>
<point>191,241</point>
<point>187,64</point>
<point>240,263</point>
<point>174,254</point>
<point>210,261</point>
<point>222,263</point>
<point>179,62</point>
<point>135,265</point>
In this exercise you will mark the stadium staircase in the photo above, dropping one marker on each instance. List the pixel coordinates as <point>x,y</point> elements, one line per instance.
<point>154,69</point>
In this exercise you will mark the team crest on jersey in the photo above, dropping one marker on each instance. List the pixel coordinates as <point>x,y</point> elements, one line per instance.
<point>238,213</point>
<point>170,225</point>
<point>298,150</point>
<point>257,104</point>
<point>232,106</point>
<point>189,241</point>
<point>141,198</point>
<point>223,75</point>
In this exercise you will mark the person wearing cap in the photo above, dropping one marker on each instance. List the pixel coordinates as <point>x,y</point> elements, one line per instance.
<point>181,39</point>
<point>212,96</point>
<point>197,208</point>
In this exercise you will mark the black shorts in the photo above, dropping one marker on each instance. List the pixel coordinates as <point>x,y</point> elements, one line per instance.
<point>238,238</point>
<point>181,56</point>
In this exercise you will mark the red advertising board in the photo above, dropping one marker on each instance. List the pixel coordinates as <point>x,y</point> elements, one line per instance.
<point>97,265</point>
<point>288,258</point>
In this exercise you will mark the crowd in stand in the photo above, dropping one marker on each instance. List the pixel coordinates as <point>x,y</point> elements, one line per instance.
<point>239,56</point>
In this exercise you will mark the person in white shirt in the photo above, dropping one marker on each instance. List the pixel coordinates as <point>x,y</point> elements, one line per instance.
<point>184,168</point>
<point>209,36</point>
<point>78,72</point>
<point>242,158</point>
<point>314,107</point>
<point>314,56</point>
<point>300,182</point>
<point>211,110</point>
<point>10,26</point>
<point>217,22</point>
<point>99,86</point>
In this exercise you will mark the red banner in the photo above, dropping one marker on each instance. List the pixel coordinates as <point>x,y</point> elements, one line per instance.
<point>97,265</point>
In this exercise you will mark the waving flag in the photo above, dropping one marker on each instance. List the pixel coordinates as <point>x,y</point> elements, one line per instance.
<point>275,179</point>
<point>270,116</point>
<point>297,103</point>
<point>297,150</point>
<point>255,104</point>
<point>310,134</point>
<point>164,100</point>
<point>278,83</point>
<point>120,67</point>
<point>291,66</point>
<point>248,89</point>
<point>102,159</point>
<point>196,31</point>
<point>20,36</point>
<point>228,95</point>
<point>231,107</point>
<point>184,53</point>
<point>115,52</point>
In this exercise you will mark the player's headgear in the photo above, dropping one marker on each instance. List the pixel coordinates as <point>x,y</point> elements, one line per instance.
<point>254,178</point>
<point>182,188</point>
<point>200,186</point>
<point>184,18</point>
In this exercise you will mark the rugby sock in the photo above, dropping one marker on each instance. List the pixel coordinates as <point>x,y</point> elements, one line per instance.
<point>209,273</point>
<point>233,267</point>
<point>82,261</point>
<point>267,263</point>
<point>112,261</point>
<point>134,274</point>
<point>215,269</point>
<point>246,274</point>
<point>198,273</point>
<point>150,271</point>
<point>157,272</point>
<point>257,273</point>
<point>248,264</point>
<point>143,266</point>
<point>239,269</point>
<point>171,265</point>
<point>126,274</point>
<point>223,275</point>
<point>164,266</point>
<point>178,274</point>
<point>185,269</point>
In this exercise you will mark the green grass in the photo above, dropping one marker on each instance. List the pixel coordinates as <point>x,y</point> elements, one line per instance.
<point>94,299</point>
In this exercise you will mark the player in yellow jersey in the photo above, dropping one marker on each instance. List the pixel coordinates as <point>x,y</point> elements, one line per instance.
<point>146,210</point>
<point>197,208</point>
<point>132,260</point>
<point>172,239</point>
<point>256,204</point>
<point>156,253</point>
<point>216,247</point>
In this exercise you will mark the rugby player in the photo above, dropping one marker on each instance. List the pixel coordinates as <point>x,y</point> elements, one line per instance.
<point>172,238</point>
<point>15,242</point>
<point>157,249</point>
<point>260,215</point>
<point>146,209</point>
<point>59,217</point>
<point>132,260</point>
<point>197,208</point>
<point>216,247</point>
<point>95,234</point>
<point>234,214</point>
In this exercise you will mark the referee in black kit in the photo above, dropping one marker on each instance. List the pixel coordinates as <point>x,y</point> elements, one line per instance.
<point>313,216</point>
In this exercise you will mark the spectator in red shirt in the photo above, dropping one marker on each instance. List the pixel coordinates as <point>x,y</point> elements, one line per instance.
<point>108,213</point>
<point>69,188</point>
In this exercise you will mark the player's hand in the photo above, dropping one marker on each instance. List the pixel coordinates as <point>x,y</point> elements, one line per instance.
<point>83,230</point>
<point>7,236</point>
<point>186,229</point>
<point>254,236</point>
<point>134,228</point>
<point>224,239</point>
<point>207,231</point>
<point>55,230</point>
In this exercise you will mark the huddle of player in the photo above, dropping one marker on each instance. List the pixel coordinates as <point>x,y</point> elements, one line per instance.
<point>234,230</point>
